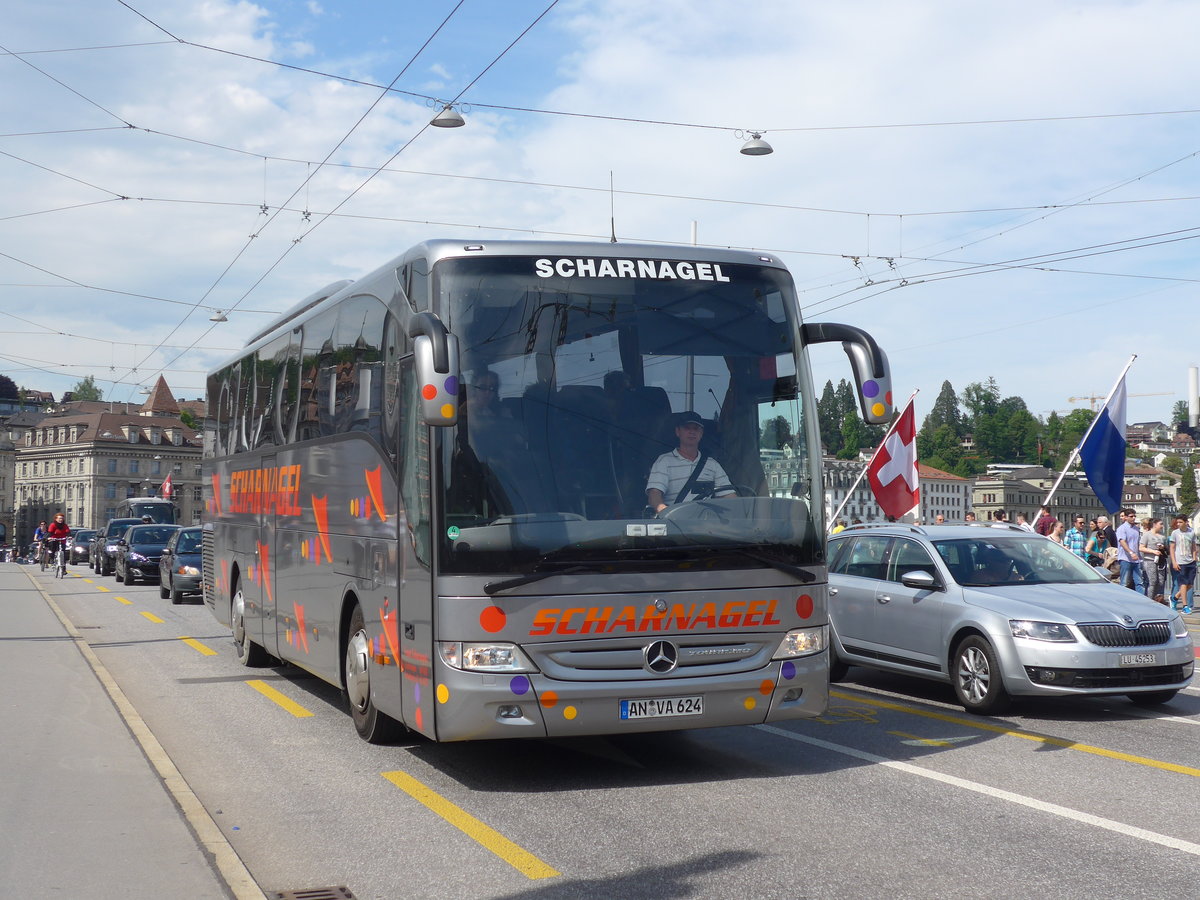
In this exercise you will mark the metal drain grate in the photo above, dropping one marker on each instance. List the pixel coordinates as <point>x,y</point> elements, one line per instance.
<point>323,893</point>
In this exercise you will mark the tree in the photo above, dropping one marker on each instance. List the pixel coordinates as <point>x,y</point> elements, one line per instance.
<point>945,412</point>
<point>853,434</point>
<point>1188,499</point>
<point>186,417</point>
<point>1179,412</point>
<point>776,433</point>
<point>87,390</point>
<point>829,419</point>
<point>8,388</point>
<point>1173,464</point>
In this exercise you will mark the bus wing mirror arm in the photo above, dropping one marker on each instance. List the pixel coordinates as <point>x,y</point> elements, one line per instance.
<point>872,375</point>
<point>435,356</point>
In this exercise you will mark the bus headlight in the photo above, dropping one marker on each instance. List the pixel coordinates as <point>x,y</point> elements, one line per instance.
<point>474,657</point>
<point>802,642</point>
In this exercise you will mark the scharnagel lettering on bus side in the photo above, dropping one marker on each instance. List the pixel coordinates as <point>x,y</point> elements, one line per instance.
<point>658,269</point>
<point>709,616</point>
<point>275,491</point>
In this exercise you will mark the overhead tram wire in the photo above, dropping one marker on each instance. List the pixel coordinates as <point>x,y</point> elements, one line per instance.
<point>663,122</point>
<point>296,192</point>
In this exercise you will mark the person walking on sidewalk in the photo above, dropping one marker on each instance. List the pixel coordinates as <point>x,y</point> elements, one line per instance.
<point>1183,562</point>
<point>1129,539</point>
<point>1154,558</point>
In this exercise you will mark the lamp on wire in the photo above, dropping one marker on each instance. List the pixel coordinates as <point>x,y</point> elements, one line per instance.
<point>449,117</point>
<point>218,316</point>
<point>756,146</point>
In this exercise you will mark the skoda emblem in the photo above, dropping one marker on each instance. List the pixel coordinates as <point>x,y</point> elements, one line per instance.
<point>1128,620</point>
<point>661,657</point>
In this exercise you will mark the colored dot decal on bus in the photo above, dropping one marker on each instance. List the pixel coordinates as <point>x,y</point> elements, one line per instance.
<point>878,409</point>
<point>447,410</point>
<point>888,398</point>
<point>870,389</point>
<point>804,606</point>
<point>570,712</point>
<point>429,392</point>
<point>443,693</point>
<point>519,685</point>
<point>451,386</point>
<point>788,670</point>
<point>492,619</point>
<point>766,687</point>
<point>749,703</point>
<point>549,699</point>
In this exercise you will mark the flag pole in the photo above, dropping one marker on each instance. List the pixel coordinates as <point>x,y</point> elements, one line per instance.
<point>863,473</point>
<point>1096,418</point>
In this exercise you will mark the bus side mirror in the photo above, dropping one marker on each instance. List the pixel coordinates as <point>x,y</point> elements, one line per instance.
<point>435,354</point>
<point>872,375</point>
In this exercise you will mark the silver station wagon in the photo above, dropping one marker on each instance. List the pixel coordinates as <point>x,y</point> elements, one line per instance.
<point>997,612</point>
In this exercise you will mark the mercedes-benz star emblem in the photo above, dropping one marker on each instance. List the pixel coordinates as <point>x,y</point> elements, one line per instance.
<point>661,657</point>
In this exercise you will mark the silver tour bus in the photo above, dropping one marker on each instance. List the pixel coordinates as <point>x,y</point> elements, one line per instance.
<point>429,487</point>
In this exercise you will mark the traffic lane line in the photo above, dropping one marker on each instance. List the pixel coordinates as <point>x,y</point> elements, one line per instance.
<point>1054,809</point>
<point>1024,735</point>
<point>200,648</point>
<point>486,836</point>
<point>276,697</point>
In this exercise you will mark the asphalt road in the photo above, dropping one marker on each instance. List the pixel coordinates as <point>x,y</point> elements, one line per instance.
<point>895,792</point>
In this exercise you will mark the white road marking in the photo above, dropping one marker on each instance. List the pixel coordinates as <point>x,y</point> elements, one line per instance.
<point>954,781</point>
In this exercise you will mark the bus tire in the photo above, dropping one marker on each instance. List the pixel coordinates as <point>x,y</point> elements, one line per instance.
<point>248,653</point>
<point>372,726</point>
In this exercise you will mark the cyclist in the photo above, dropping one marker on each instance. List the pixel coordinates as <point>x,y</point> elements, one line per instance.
<point>39,535</point>
<point>56,536</point>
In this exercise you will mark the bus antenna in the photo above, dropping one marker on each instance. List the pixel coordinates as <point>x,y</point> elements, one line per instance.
<point>612,208</point>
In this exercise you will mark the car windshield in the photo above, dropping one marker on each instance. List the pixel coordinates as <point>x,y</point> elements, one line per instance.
<point>1005,560</point>
<point>152,535</point>
<point>189,542</point>
<point>573,385</point>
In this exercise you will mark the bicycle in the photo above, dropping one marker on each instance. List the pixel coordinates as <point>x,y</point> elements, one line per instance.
<point>59,560</point>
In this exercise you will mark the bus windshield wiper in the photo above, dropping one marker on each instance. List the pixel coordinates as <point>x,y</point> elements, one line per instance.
<point>801,574</point>
<point>494,587</point>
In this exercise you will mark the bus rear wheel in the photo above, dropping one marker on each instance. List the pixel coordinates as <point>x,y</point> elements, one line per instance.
<point>372,726</point>
<point>248,653</point>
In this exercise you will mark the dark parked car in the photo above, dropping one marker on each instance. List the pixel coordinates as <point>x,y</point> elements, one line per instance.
<point>81,540</point>
<point>139,551</point>
<point>180,568</point>
<point>104,548</point>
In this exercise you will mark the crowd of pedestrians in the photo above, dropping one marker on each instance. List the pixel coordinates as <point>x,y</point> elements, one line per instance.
<point>1147,558</point>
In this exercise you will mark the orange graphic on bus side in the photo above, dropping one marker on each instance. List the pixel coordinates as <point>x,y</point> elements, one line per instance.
<point>733,614</point>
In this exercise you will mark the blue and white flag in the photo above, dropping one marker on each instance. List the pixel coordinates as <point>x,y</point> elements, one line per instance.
<point>1103,451</point>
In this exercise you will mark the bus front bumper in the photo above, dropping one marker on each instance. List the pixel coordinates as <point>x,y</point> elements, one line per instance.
<point>474,706</point>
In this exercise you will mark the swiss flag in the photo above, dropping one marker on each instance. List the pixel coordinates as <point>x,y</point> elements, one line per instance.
<point>892,471</point>
<point>167,488</point>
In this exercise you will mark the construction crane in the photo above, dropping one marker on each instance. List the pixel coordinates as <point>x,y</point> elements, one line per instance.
<point>1092,398</point>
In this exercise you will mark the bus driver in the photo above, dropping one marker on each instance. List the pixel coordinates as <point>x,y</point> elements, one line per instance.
<point>685,473</point>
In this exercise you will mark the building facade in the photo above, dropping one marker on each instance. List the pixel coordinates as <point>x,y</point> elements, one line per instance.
<point>1025,490</point>
<point>83,463</point>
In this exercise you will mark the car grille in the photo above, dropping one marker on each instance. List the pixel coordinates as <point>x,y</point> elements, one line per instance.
<point>624,659</point>
<point>1110,678</point>
<point>1145,635</point>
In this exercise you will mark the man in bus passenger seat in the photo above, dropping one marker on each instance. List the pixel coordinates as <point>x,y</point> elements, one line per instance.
<point>672,471</point>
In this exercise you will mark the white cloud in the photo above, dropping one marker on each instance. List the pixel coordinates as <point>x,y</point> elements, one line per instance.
<point>773,65</point>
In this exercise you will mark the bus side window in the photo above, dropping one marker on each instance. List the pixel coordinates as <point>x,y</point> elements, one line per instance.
<point>316,375</point>
<point>359,382</point>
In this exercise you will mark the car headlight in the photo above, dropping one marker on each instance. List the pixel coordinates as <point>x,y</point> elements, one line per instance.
<point>110,548</point>
<point>187,570</point>
<point>471,657</point>
<point>802,642</point>
<point>1040,631</point>
<point>1179,627</point>
<point>136,557</point>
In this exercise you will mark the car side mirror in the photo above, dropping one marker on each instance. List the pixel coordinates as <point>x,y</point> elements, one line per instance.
<point>920,580</point>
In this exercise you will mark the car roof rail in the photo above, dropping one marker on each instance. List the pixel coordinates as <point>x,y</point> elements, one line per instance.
<point>862,526</point>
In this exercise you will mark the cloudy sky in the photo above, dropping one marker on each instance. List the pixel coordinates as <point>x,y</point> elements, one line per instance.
<point>1002,190</point>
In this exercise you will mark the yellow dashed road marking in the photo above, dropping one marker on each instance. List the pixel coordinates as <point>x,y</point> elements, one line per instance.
<point>271,694</point>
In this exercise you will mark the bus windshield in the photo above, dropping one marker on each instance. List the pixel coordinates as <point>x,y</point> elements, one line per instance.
<point>576,375</point>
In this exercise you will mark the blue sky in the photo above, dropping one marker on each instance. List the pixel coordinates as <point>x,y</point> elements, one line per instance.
<point>1041,247</point>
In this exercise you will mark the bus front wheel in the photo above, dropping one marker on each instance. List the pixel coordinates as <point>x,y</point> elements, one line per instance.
<point>372,726</point>
<point>248,653</point>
